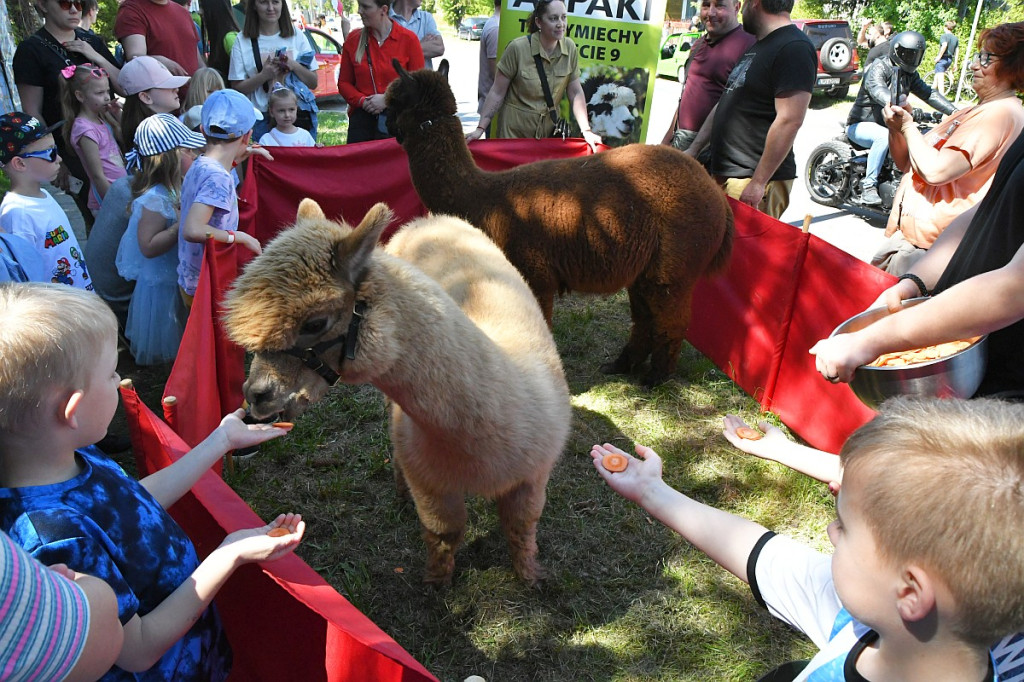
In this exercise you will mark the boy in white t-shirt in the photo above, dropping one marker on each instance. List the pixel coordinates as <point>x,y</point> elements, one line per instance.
<point>28,155</point>
<point>925,575</point>
<point>283,106</point>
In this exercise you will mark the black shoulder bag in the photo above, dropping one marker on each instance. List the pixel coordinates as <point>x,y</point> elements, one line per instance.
<point>561,125</point>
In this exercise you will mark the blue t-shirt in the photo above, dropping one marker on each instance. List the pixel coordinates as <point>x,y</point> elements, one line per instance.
<point>207,182</point>
<point>104,523</point>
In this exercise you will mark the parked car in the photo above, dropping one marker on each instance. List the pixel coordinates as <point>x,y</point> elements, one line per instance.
<point>838,62</point>
<point>675,49</point>
<point>471,28</point>
<point>328,56</point>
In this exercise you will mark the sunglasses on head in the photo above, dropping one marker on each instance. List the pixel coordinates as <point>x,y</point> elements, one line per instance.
<point>49,154</point>
<point>66,5</point>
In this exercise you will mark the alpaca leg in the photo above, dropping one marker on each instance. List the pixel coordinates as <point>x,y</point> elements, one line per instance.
<point>519,510</point>
<point>638,347</point>
<point>443,519</point>
<point>671,319</point>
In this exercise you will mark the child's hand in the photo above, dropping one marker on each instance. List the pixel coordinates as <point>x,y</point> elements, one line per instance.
<point>237,434</point>
<point>638,476</point>
<point>259,150</point>
<point>255,544</point>
<point>765,448</point>
<point>249,242</point>
<point>62,569</point>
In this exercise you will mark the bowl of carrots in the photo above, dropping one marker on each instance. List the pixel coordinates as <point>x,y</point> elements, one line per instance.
<point>947,370</point>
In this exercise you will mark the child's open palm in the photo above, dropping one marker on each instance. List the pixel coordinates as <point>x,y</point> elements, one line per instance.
<point>255,544</point>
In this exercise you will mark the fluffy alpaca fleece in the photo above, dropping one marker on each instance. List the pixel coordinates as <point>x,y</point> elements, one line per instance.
<point>648,218</point>
<point>451,334</point>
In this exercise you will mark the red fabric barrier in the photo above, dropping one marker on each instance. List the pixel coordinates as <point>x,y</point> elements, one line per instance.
<point>740,317</point>
<point>833,286</point>
<point>784,290</point>
<point>346,181</point>
<point>264,604</point>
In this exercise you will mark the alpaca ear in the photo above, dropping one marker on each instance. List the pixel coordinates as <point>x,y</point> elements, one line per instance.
<point>402,73</point>
<point>442,69</point>
<point>353,253</point>
<point>310,209</point>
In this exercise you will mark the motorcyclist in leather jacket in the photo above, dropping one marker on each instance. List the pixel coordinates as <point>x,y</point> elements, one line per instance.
<point>887,80</point>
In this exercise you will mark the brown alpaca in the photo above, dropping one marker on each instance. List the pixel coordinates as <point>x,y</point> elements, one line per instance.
<point>450,333</point>
<point>647,218</point>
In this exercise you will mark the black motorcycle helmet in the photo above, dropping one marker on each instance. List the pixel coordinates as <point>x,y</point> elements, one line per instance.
<point>906,50</point>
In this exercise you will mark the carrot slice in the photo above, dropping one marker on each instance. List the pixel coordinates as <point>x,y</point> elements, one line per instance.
<point>749,433</point>
<point>614,462</point>
<point>278,532</point>
<point>283,425</point>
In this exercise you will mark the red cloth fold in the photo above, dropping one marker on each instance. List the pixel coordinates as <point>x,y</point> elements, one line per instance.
<point>283,620</point>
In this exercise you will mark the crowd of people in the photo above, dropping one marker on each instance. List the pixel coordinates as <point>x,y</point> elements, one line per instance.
<point>156,136</point>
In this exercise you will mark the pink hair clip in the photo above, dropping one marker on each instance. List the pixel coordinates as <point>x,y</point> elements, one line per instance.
<point>68,71</point>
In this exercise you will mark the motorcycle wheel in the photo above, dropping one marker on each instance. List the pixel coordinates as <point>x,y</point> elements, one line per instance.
<point>827,176</point>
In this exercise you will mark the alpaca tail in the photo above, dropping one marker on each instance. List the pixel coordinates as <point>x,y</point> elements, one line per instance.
<point>721,258</point>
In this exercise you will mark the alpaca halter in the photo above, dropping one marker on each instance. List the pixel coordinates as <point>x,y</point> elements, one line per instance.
<point>312,357</point>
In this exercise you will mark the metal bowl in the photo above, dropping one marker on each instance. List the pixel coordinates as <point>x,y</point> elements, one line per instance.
<point>954,376</point>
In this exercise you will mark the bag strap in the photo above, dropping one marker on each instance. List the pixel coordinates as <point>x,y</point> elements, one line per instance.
<point>544,83</point>
<point>255,42</point>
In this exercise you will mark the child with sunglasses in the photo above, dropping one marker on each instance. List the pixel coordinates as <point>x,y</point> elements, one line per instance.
<point>28,155</point>
<point>94,128</point>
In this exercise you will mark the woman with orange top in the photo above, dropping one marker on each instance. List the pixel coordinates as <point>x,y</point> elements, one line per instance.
<point>951,167</point>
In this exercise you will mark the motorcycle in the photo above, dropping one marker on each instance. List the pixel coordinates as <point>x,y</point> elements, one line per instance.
<point>835,169</point>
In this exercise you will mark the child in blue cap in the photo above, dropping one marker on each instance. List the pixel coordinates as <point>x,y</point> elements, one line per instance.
<point>209,205</point>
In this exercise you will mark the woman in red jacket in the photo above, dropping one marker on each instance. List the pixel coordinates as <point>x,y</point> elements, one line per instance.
<point>366,68</point>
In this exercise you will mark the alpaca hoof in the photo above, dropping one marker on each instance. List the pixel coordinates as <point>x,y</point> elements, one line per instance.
<point>531,572</point>
<point>439,578</point>
<point>654,379</point>
<point>616,367</point>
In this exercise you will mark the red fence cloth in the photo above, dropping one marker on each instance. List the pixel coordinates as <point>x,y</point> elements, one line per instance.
<point>783,291</point>
<point>283,620</point>
<point>346,181</point>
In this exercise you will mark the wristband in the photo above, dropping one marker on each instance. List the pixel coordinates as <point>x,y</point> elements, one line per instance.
<point>916,280</point>
<point>231,237</point>
<point>481,128</point>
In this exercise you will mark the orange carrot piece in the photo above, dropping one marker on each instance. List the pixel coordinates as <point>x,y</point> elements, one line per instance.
<point>615,462</point>
<point>283,425</point>
<point>278,532</point>
<point>749,433</point>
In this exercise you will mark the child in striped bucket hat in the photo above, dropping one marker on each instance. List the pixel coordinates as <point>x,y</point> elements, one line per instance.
<point>163,150</point>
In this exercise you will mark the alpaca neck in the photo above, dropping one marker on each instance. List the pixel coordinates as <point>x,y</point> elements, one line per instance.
<point>418,348</point>
<point>442,169</point>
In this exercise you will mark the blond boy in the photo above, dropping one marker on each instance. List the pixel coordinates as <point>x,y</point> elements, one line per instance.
<point>65,502</point>
<point>28,156</point>
<point>926,573</point>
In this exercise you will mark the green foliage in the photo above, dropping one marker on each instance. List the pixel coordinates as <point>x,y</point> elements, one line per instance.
<point>104,25</point>
<point>454,11</point>
<point>810,9</point>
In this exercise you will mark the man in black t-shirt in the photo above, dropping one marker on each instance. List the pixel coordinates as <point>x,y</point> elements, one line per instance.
<point>752,128</point>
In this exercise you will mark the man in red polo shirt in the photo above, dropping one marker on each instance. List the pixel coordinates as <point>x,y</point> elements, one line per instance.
<point>711,59</point>
<point>162,29</point>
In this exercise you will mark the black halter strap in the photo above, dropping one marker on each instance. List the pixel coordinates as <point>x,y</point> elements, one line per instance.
<point>312,357</point>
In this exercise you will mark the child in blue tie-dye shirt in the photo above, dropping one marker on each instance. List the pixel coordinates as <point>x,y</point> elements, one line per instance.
<point>65,502</point>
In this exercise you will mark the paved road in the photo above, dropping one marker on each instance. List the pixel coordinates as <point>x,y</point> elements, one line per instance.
<point>856,234</point>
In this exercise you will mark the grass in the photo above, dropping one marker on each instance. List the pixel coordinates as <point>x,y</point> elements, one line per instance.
<point>332,128</point>
<point>627,599</point>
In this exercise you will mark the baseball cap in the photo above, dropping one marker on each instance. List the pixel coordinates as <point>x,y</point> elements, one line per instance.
<point>144,72</point>
<point>161,133</point>
<point>228,115</point>
<point>18,130</point>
